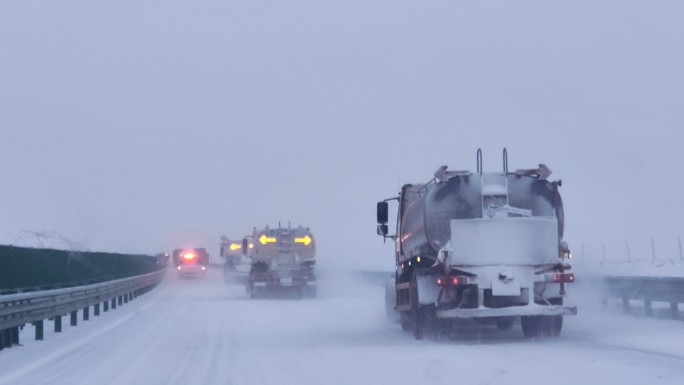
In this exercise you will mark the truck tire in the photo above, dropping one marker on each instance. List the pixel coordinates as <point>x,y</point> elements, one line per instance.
<point>309,292</point>
<point>504,323</point>
<point>417,311</point>
<point>532,325</point>
<point>226,274</point>
<point>391,300</point>
<point>405,321</point>
<point>256,293</point>
<point>547,326</point>
<point>553,325</point>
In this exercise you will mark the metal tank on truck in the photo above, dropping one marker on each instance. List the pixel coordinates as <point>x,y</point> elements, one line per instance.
<point>485,245</point>
<point>235,255</point>
<point>282,259</point>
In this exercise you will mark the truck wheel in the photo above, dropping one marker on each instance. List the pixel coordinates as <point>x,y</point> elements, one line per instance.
<point>226,274</point>
<point>255,293</point>
<point>309,292</point>
<point>417,312</point>
<point>405,321</point>
<point>532,325</point>
<point>553,325</point>
<point>504,323</point>
<point>391,300</point>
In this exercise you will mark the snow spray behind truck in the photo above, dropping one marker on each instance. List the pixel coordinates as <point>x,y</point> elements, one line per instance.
<point>483,245</point>
<point>282,259</point>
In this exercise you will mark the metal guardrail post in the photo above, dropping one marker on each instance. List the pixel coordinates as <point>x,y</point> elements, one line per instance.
<point>39,330</point>
<point>105,306</point>
<point>625,304</point>
<point>5,339</point>
<point>58,324</point>
<point>15,335</point>
<point>35,307</point>
<point>648,289</point>
<point>674,310</point>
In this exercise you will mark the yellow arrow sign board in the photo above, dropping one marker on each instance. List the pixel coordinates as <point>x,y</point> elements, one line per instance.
<point>305,240</point>
<point>264,239</point>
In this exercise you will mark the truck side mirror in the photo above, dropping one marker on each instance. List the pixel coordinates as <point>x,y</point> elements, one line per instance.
<point>383,214</point>
<point>382,230</point>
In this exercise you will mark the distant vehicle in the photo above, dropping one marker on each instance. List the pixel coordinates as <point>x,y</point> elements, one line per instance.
<point>282,259</point>
<point>483,246</point>
<point>236,257</point>
<point>192,261</point>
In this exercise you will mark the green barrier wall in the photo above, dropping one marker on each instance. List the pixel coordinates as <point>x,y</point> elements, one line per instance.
<point>23,269</point>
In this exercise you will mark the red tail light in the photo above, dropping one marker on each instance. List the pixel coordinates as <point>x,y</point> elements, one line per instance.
<point>560,277</point>
<point>452,280</point>
<point>188,256</point>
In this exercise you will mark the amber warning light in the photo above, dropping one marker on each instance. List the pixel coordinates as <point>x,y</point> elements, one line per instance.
<point>305,240</point>
<point>265,239</point>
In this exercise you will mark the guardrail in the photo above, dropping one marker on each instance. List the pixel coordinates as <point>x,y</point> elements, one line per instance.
<point>35,307</point>
<point>647,289</point>
<point>39,284</point>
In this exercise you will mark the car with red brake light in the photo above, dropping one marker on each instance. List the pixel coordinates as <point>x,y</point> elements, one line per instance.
<point>191,261</point>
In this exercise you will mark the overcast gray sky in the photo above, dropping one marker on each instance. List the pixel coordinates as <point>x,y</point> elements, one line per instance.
<point>140,126</point>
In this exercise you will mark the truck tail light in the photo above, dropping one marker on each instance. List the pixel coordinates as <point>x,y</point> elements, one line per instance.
<point>452,280</point>
<point>559,277</point>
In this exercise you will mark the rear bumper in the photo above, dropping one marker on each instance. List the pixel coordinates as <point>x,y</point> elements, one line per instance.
<point>283,283</point>
<point>529,310</point>
<point>284,278</point>
<point>190,269</point>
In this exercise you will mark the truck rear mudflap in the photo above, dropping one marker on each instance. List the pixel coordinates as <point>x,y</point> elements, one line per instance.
<point>269,286</point>
<point>283,283</point>
<point>529,310</point>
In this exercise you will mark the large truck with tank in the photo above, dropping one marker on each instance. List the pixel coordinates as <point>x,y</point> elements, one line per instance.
<point>282,260</point>
<point>486,246</point>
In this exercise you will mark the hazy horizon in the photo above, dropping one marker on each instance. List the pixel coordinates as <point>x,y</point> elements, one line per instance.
<point>141,127</point>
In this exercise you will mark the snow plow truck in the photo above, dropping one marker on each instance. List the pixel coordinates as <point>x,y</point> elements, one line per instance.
<point>235,255</point>
<point>282,259</point>
<point>485,246</point>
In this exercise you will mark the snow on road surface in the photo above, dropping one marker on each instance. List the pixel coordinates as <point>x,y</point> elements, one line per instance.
<point>202,331</point>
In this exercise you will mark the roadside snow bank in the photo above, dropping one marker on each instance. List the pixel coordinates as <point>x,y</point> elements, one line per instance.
<point>40,239</point>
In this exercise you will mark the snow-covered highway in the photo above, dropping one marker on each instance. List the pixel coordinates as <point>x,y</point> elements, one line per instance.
<point>203,331</point>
